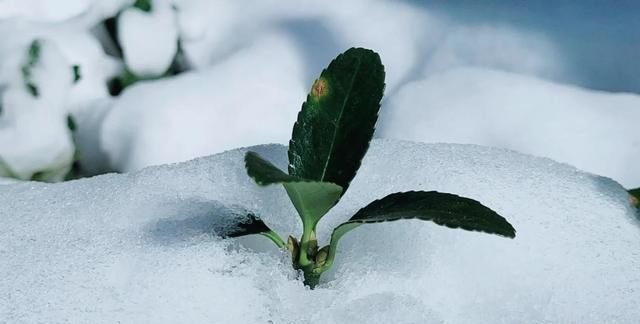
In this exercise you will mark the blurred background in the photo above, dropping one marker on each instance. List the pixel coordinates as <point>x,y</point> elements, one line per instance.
<point>89,87</point>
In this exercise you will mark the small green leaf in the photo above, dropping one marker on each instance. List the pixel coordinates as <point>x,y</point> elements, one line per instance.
<point>441,208</point>
<point>635,197</point>
<point>254,225</point>
<point>311,199</point>
<point>337,121</point>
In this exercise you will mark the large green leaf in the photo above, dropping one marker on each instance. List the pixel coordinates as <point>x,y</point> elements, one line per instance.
<point>337,121</point>
<point>441,208</point>
<point>311,199</point>
<point>635,197</point>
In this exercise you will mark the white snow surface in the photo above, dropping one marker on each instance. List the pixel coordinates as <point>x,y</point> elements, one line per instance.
<point>137,248</point>
<point>595,131</point>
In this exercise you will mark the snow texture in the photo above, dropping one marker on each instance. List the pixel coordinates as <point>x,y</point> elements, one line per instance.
<point>138,248</point>
<point>595,131</point>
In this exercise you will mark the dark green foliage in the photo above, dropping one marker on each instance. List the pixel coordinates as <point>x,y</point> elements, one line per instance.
<point>441,208</point>
<point>338,119</point>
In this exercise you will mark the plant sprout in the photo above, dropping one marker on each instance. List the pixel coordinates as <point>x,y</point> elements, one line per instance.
<point>329,141</point>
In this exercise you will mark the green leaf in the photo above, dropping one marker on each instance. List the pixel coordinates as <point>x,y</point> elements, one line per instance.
<point>254,225</point>
<point>441,208</point>
<point>311,199</point>
<point>264,172</point>
<point>635,197</point>
<point>337,121</point>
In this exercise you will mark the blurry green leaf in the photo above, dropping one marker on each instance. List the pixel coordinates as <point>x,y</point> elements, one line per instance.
<point>71,123</point>
<point>144,5</point>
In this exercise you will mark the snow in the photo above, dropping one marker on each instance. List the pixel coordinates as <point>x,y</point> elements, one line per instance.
<point>149,40</point>
<point>595,131</point>
<point>252,97</point>
<point>136,248</point>
<point>273,49</point>
<point>43,10</point>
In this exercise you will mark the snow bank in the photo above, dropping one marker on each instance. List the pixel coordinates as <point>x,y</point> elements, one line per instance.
<point>595,131</point>
<point>269,48</point>
<point>136,248</point>
<point>252,97</point>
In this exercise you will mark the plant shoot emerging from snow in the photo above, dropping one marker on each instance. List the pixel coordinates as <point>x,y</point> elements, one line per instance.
<point>329,141</point>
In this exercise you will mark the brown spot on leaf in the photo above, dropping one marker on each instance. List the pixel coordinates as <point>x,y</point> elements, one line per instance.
<point>319,88</point>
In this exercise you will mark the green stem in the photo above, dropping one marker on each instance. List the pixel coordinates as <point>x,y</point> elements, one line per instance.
<point>275,238</point>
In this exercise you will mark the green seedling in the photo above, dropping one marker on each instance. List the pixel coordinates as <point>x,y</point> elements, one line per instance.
<point>329,141</point>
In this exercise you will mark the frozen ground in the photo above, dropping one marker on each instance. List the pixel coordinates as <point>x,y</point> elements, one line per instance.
<point>137,248</point>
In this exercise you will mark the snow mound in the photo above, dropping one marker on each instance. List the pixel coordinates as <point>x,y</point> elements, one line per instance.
<point>149,39</point>
<point>241,101</point>
<point>138,248</point>
<point>595,131</point>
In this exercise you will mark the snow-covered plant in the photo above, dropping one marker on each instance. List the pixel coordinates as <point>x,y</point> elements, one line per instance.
<point>36,115</point>
<point>159,55</point>
<point>329,141</point>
